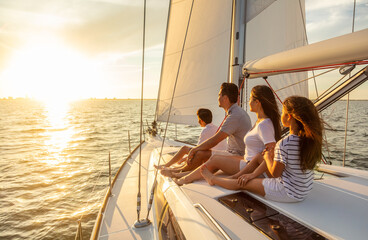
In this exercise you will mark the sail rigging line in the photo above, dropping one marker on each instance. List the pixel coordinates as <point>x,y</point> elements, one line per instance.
<point>240,103</point>
<point>222,123</point>
<point>168,116</point>
<point>246,94</point>
<point>79,228</point>
<point>306,79</point>
<point>265,78</point>
<point>306,39</point>
<point>322,95</point>
<point>348,100</point>
<point>162,64</point>
<point>138,222</point>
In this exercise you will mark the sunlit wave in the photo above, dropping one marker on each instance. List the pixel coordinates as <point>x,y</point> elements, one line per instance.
<point>59,132</point>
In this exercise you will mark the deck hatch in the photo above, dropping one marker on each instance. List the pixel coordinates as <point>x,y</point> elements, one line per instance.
<point>281,227</point>
<point>266,219</point>
<point>247,207</point>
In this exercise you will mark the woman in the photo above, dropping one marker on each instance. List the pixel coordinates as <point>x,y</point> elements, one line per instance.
<point>264,134</point>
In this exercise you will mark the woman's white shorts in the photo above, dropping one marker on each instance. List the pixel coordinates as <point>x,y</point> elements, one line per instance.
<point>275,190</point>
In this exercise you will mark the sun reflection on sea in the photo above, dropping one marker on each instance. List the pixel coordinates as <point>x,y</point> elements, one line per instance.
<point>58,133</point>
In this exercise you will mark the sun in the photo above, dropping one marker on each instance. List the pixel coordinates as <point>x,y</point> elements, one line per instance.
<point>46,69</point>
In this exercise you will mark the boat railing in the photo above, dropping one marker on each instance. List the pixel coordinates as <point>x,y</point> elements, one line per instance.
<point>214,222</point>
<point>96,228</point>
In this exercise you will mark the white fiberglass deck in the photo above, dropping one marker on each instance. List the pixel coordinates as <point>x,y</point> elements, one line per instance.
<point>337,208</point>
<point>121,210</point>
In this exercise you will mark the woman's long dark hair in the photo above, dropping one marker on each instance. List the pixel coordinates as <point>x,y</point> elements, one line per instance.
<point>265,95</point>
<point>310,129</point>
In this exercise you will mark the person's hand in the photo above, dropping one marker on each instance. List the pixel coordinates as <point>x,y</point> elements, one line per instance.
<point>191,155</point>
<point>184,159</point>
<point>243,179</point>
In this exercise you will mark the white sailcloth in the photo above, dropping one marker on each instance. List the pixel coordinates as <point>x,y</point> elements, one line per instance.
<point>279,27</point>
<point>271,27</point>
<point>205,60</point>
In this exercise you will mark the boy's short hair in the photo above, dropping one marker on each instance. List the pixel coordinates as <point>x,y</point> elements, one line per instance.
<point>205,115</point>
<point>230,90</point>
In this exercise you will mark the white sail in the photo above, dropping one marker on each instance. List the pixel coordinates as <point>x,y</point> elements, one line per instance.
<point>255,7</point>
<point>205,60</point>
<point>278,28</point>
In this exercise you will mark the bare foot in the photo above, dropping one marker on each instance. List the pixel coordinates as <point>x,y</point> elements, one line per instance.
<point>180,174</point>
<point>207,175</point>
<point>159,167</point>
<point>180,181</point>
<point>167,172</point>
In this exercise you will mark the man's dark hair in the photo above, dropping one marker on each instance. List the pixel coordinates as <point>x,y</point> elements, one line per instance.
<point>230,90</point>
<point>205,115</point>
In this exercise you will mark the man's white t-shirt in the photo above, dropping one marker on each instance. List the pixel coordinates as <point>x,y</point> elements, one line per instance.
<point>208,131</point>
<point>256,139</point>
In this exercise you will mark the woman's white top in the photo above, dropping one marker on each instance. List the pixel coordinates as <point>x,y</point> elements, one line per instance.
<point>256,139</point>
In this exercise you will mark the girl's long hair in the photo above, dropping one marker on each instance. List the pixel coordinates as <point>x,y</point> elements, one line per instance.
<point>310,129</point>
<point>265,95</point>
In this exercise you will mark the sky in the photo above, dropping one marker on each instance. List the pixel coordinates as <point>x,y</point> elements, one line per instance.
<point>76,49</point>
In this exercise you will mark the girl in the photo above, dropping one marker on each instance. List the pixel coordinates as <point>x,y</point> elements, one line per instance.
<point>264,133</point>
<point>290,165</point>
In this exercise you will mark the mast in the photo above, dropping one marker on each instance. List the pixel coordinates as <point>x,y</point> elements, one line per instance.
<point>237,44</point>
<point>237,41</point>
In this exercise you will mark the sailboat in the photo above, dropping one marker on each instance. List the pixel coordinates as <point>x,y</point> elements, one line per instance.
<point>259,42</point>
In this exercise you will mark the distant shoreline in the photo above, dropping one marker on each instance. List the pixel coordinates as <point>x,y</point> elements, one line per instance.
<point>115,99</point>
<point>32,99</point>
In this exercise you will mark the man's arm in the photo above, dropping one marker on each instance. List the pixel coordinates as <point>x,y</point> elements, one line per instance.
<point>208,144</point>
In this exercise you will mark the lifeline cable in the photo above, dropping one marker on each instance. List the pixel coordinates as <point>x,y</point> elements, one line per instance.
<point>141,122</point>
<point>168,117</point>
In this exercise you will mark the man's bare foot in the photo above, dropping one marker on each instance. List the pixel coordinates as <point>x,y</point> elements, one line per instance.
<point>207,175</point>
<point>180,174</point>
<point>167,172</point>
<point>159,167</point>
<point>180,181</point>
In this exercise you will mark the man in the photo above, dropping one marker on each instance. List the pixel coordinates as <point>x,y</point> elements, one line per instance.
<point>234,127</point>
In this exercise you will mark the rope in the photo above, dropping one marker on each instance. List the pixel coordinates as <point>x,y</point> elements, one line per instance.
<point>222,123</point>
<point>89,199</point>
<point>239,91</point>
<point>168,117</point>
<point>314,76</point>
<point>141,123</point>
<point>265,78</point>
<point>323,94</point>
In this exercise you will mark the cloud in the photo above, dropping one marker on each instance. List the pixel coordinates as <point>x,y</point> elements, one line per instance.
<point>117,28</point>
<point>93,27</point>
<point>327,19</point>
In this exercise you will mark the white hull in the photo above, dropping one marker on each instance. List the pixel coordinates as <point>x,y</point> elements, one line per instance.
<point>337,207</point>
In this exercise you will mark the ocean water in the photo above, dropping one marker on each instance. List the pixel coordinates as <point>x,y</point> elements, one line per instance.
<point>54,158</point>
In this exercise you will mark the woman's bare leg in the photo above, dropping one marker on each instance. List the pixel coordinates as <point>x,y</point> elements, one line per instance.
<point>228,164</point>
<point>255,185</point>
